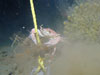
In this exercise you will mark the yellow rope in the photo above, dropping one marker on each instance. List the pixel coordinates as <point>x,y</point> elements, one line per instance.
<point>41,63</point>
<point>34,20</point>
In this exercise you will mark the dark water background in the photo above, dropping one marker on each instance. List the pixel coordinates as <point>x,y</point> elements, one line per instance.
<point>14,14</point>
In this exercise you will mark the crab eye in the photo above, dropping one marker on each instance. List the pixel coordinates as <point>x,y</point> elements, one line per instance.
<point>49,32</point>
